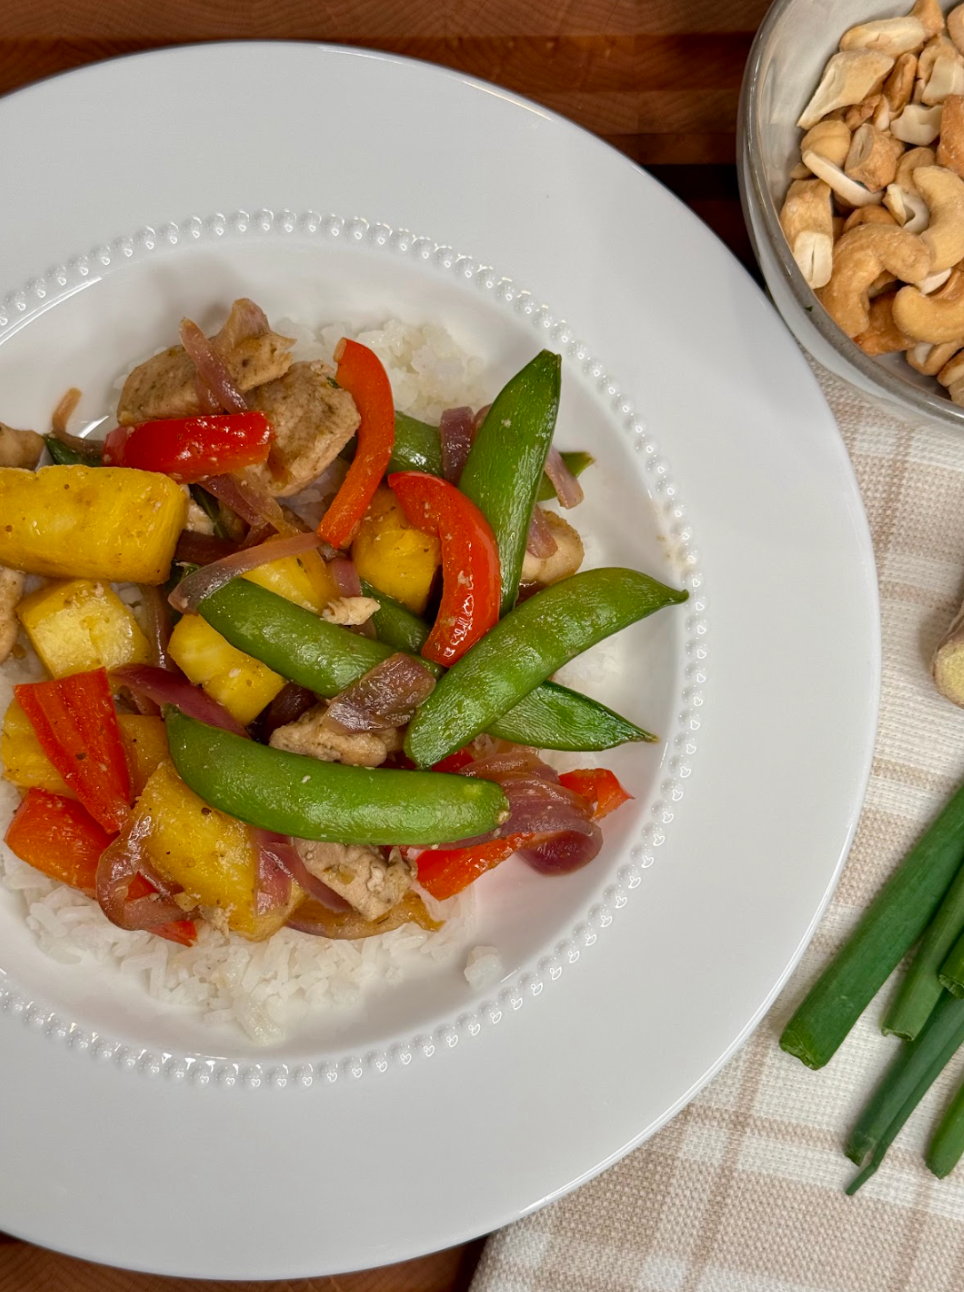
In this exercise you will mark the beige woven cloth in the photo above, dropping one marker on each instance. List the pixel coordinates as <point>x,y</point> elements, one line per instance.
<point>743,1191</point>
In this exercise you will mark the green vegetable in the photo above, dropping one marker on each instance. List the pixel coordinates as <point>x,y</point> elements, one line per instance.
<point>549,717</point>
<point>888,929</point>
<point>505,465</point>
<point>310,799</point>
<point>921,988</point>
<point>524,648</point>
<point>914,1069</point>
<point>64,456</point>
<point>951,973</point>
<point>417,448</point>
<point>947,1142</point>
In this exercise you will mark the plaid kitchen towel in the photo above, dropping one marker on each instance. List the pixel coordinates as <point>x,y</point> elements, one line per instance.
<point>743,1191</point>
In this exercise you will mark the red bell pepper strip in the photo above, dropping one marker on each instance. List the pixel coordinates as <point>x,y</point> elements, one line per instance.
<point>471,580</point>
<point>191,448</point>
<point>59,837</point>
<point>362,375</point>
<point>76,723</point>
<point>182,931</point>
<point>599,785</point>
<point>443,872</point>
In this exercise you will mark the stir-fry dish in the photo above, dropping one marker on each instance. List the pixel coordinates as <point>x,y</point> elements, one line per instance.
<point>256,721</point>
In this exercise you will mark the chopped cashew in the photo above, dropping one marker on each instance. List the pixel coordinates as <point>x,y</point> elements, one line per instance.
<point>565,560</point>
<point>943,191</point>
<point>11,590</point>
<point>859,257</point>
<point>891,36</point>
<point>929,359</point>
<point>947,664</point>
<point>908,209</point>
<point>952,376</point>
<point>830,139</point>
<point>350,611</point>
<point>937,47</point>
<point>848,78</point>
<point>955,26</point>
<point>867,111</point>
<point>848,190</point>
<point>19,448</point>
<point>918,124</point>
<point>899,86</point>
<point>930,15</point>
<point>950,150</point>
<point>935,318</point>
<point>946,78</point>
<point>866,215</point>
<point>872,158</point>
<point>909,162</point>
<point>882,336</point>
<point>807,221</point>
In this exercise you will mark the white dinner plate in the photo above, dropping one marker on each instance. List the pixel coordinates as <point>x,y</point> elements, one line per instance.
<point>332,184</point>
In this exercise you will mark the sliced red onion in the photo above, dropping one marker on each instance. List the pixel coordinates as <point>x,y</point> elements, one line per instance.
<point>273,883</point>
<point>384,697</point>
<point>456,432</point>
<point>564,851</point>
<point>118,865</point>
<point>342,570</point>
<point>282,853</point>
<point>213,377</point>
<point>291,702</point>
<point>247,498</point>
<point>190,592</point>
<point>510,760</point>
<point>158,616</point>
<point>312,917</point>
<point>480,417</point>
<point>567,487</point>
<point>165,688</point>
<point>540,543</point>
<point>202,549</point>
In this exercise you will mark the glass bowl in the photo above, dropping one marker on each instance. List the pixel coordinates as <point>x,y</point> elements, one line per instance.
<point>786,61</point>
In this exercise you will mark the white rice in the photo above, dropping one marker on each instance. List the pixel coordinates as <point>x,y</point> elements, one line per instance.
<point>263,987</point>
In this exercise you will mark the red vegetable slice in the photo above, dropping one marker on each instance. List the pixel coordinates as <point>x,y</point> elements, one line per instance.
<point>217,389</point>
<point>59,837</point>
<point>443,872</point>
<point>190,592</point>
<point>247,498</point>
<point>470,562</point>
<point>600,786</point>
<point>166,688</point>
<point>567,487</point>
<point>456,431</point>
<point>189,449</point>
<point>120,864</point>
<point>360,373</point>
<point>386,696</point>
<point>76,723</point>
<point>342,570</point>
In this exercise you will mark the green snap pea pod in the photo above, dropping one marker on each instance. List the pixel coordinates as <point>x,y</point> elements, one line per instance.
<point>524,648</point>
<point>505,465</point>
<point>549,717</point>
<point>64,456</point>
<point>309,799</point>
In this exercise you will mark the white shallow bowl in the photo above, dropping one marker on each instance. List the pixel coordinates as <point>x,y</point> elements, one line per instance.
<point>440,1110</point>
<point>791,48</point>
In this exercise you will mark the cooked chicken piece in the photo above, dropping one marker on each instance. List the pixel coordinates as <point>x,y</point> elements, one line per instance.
<point>164,386</point>
<point>359,874</point>
<point>19,448</point>
<point>360,748</point>
<point>350,611</point>
<point>313,420</point>
<point>565,560</point>
<point>11,590</point>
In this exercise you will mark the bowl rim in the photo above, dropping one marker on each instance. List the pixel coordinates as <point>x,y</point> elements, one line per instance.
<point>755,193</point>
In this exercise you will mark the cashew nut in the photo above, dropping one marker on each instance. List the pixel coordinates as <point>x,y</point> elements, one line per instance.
<point>943,191</point>
<point>899,86</point>
<point>952,376</point>
<point>936,318</point>
<point>830,139</point>
<point>19,448</point>
<point>930,14</point>
<point>950,150</point>
<point>807,221</point>
<point>848,190</point>
<point>849,77</point>
<point>867,215</point>
<point>861,112</point>
<point>872,157</point>
<point>929,359</point>
<point>936,48</point>
<point>918,124</point>
<point>859,257</point>
<point>11,590</point>
<point>908,209</point>
<point>891,36</point>
<point>934,282</point>
<point>882,283</point>
<point>955,26</point>
<point>882,336</point>
<point>909,162</point>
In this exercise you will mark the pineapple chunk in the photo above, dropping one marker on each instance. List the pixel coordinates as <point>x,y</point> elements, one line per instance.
<point>210,854</point>
<point>393,555</point>
<point>242,684</point>
<point>302,579</point>
<point>82,625</point>
<point>26,764</point>
<point>109,523</point>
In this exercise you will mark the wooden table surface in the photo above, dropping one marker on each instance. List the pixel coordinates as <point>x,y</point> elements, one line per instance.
<point>657,79</point>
